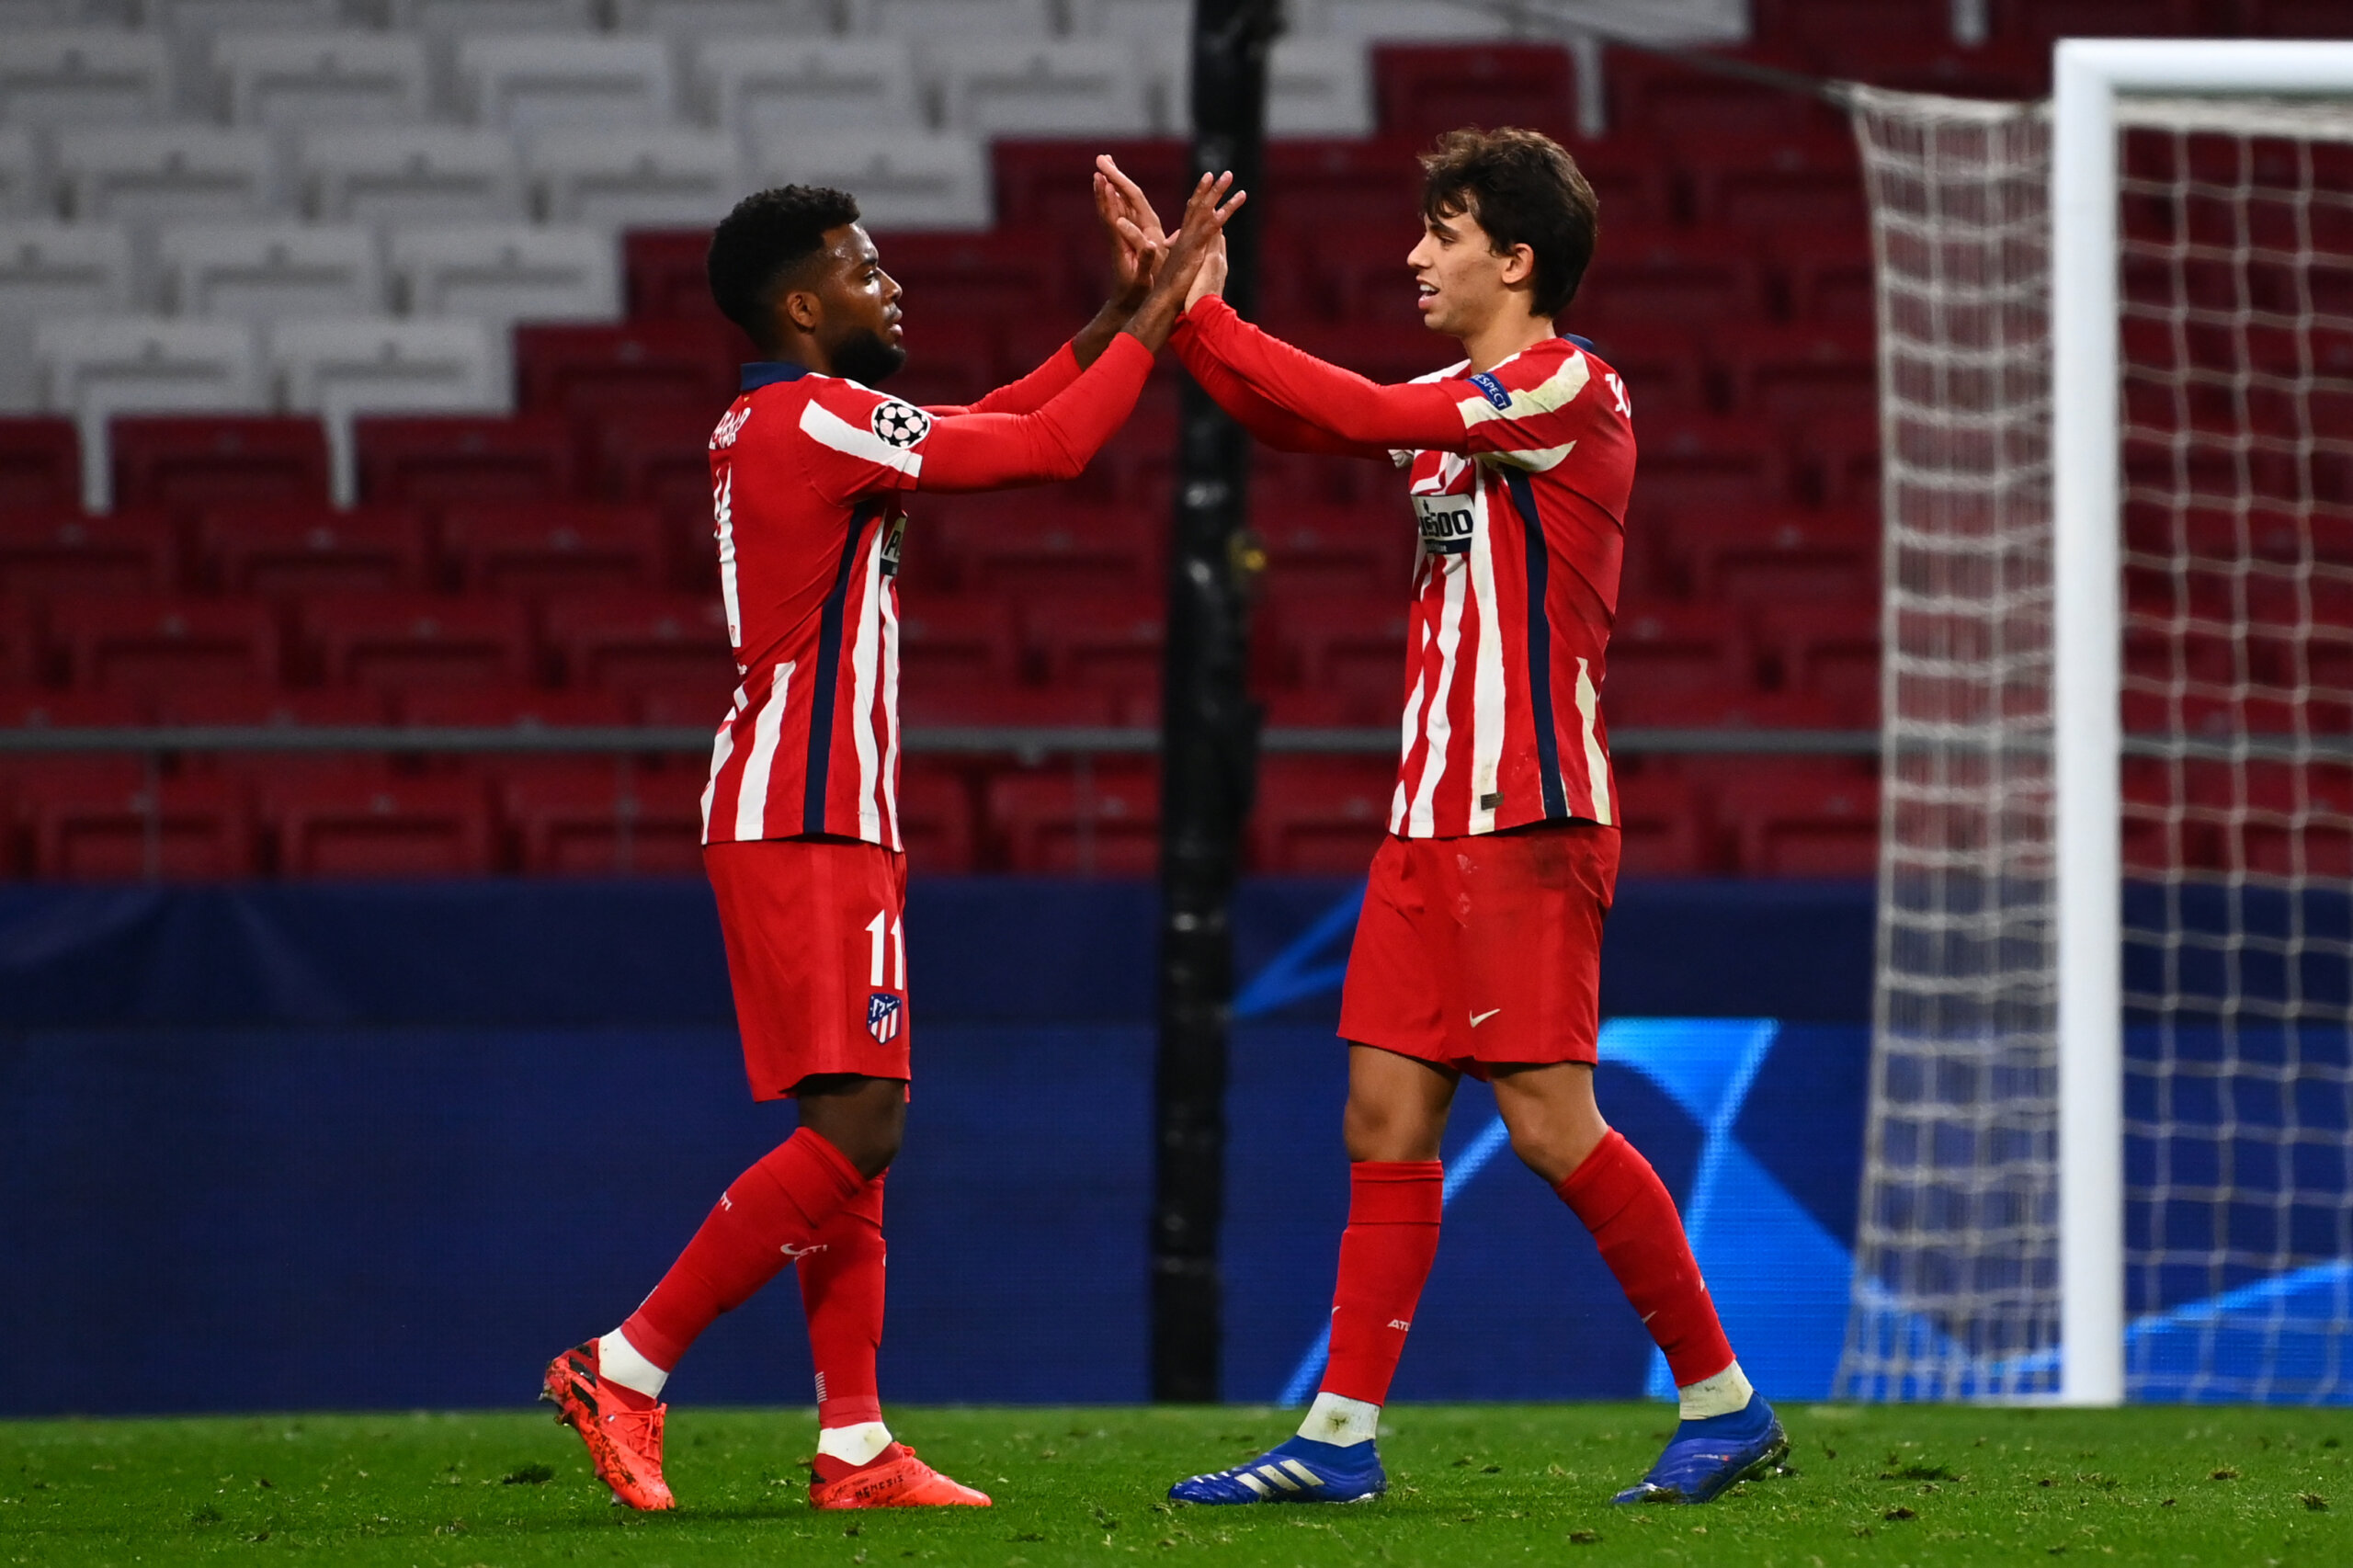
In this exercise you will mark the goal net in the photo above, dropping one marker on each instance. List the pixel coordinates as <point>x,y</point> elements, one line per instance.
<point>2228,547</point>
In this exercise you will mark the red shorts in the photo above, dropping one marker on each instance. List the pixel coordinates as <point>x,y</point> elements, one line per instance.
<point>817,953</point>
<point>1484,950</point>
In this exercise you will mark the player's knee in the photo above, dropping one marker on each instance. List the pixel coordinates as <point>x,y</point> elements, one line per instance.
<point>1376,1130</point>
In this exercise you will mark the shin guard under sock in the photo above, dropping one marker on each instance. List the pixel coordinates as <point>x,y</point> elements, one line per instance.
<point>1633,1222</point>
<point>1385,1256</point>
<point>769,1215</point>
<point>842,1289</point>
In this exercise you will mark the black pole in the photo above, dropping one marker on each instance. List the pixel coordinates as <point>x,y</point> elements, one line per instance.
<point>1209,751</point>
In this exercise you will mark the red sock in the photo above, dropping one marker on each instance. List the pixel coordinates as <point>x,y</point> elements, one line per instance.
<point>780,1202</point>
<point>1385,1256</point>
<point>841,1288</point>
<point>1633,1221</point>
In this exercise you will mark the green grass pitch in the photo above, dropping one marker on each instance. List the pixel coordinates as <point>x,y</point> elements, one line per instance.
<point>1468,1484</point>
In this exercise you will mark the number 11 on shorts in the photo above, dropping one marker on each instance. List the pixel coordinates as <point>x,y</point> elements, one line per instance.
<point>888,933</point>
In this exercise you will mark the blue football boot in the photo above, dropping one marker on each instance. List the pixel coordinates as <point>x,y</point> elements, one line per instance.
<point>1705,1457</point>
<point>1301,1470</point>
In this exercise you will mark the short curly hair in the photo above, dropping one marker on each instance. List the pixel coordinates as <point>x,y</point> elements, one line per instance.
<point>768,234</point>
<point>1523,188</point>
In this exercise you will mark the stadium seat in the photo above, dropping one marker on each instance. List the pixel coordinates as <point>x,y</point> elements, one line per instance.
<point>957,642</point>
<point>359,824</point>
<point>49,270</point>
<point>635,642</point>
<point>1847,35</point>
<point>1427,89</point>
<point>281,78</point>
<point>1794,374</point>
<point>602,816</point>
<point>1666,648</point>
<point>535,83</point>
<point>40,465</point>
<point>1317,816</point>
<point>96,368</point>
<point>663,459</point>
<point>510,706</point>
<point>1312,182</point>
<point>1112,642</point>
<point>342,371</point>
<point>999,276</point>
<point>651,178</point>
<point>159,174</point>
<point>204,17</point>
<point>1315,87</point>
<point>507,272</point>
<point>411,174</point>
<point>926,704</point>
<point>1829,648</point>
<point>1658,705</point>
<point>86,75</point>
<point>25,190</point>
<point>43,553</point>
<point>956,357</point>
<point>936,819</point>
<point>1692,466</point>
<point>1662,367</point>
<point>1091,821</point>
<point>910,180</point>
<point>537,547</point>
<point>198,827</point>
<point>398,642</point>
<point>1043,187</point>
<point>1805,184</point>
<point>448,17</point>
<point>665,275</point>
<point>2041,23</point>
<point>1022,544</point>
<point>34,708</point>
<point>1353,646</point>
<point>1396,20</point>
<point>1771,557</point>
<point>259,707</point>
<point>442,461</point>
<point>1666,277</point>
<point>1664,825</point>
<point>143,643</point>
<point>955,23</point>
<point>270,270</point>
<point>2295,18</point>
<point>275,552</point>
<point>1826,276</point>
<point>1651,96</point>
<point>774,85</point>
<point>1325,551</point>
<point>738,20</point>
<point>196,462</point>
<point>1797,820</point>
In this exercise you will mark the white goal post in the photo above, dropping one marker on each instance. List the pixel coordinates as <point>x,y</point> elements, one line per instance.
<point>2111,1150</point>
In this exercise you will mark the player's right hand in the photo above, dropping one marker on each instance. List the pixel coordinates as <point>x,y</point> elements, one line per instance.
<point>1206,214</point>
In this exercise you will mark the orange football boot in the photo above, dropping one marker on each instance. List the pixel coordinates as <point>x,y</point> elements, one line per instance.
<point>894,1479</point>
<point>624,1444</point>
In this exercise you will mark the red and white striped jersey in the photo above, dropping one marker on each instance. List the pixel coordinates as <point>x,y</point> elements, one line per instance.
<point>1519,478</point>
<point>806,475</point>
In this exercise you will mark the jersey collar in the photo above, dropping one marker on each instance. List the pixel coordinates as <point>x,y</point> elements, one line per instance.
<point>768,372</point>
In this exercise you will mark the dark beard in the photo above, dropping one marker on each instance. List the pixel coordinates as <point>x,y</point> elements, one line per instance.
<point>866,359</point>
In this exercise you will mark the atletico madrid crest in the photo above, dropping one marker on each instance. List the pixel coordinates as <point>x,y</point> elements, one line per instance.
<point>882,1017</point>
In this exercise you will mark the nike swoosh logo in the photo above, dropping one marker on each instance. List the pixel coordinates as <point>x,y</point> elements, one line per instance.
<point>1478,1018</point>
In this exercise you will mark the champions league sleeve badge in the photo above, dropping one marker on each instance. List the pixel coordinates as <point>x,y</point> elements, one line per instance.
<point>899,425</point>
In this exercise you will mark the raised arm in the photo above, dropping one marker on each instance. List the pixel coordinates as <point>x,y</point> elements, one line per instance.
<point>1411,415</point>
<point>986,450</point>
<point>1275,426</point>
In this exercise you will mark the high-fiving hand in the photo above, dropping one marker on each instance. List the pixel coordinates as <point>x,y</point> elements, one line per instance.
<point>1182,261</point>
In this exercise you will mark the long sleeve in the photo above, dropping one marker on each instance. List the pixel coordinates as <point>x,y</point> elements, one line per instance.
<point>1414,415</point>
<point>1279,429</point>
<point>1027,395</point>
<point>995,451</point>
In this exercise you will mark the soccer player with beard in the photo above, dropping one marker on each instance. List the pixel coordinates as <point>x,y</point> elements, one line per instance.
<point>810,469</point>
<point>1479,948</point>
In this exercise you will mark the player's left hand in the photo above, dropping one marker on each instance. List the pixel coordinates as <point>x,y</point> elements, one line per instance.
<point>1210,279</point>
<point>1138,243</point>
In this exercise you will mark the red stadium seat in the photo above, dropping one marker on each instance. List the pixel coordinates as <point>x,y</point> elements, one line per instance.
<point>1291,709</point>
<point>245,707</point>
<point>603,372</point>
<point>1654,705</point>
<point>48,553</point>
<point>666,277</point>
<point>2295,18</point>
<point>305,550</point>
<point>1338,549</point>
<point>1345,270</point>
<point>1041,548</point>
<point>1650,96</point>
<point>1004,275</point>
<point>1320,816</point>
<point>953,359</point>
<point>395,642</point>
<point>196,827</point>
<point>1827,275</point>
<point>1801,820</point>
<point>151,643</point>
<point>1668,277</point>
<point>602,816</point>
<point>1659,649</point>
<point>1113,643</point>
<point>1311,183</point>
<point>40,465</point>
<point>1852,31</point>
<point>936,819</point>
<point>1762,557</point>
<point>21,655</point>
<point>512,707</point>
<point>1663,369</point>
<point>1103,821</point>
<point>957,642</point>
<point>1829,648</point>
<point>1692,466</point>
<point>550,547</point>
<point>687,704</point>
<point>1044,188</point>
<point>34,708</point>
<point>359,824</point>
<point>1010,707</point>
<point>448,459</point>
<point>1809,185</point>
<point>637,642</point>
<point>2041,23</point>
<point>1353,646</point>
<point>663,460</point>
<point>1424,90</point>
<point>1794,374</point>
<point>190,463</point>
<point>1664,827</point>
<point>1634,179</point>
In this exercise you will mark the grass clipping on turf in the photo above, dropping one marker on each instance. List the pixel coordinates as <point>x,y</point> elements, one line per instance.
<point>1468,1484</point>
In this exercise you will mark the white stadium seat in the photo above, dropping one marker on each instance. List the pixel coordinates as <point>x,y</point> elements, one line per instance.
<point>766,86</point>
<point>906,181</point>
<point>1045,89</point>
<point>323,78</point>
<point>84,76</point>
<point>47,270</point>
<point>411,174</point>
<point>1319,87</point>
<point>269,271</point>
<point>340,369</point>
<point>158,174</point>
<point>243,16</point>
<point>25,187</point>
<point>1155,22</point>
<point>527,82</point>
<point>647,179</point>
<point>729,18</point>
<point>930,21</point>
<point>508,272</point>
<point>448,17</point>
<point>94,367</point>
<point>1401,19</point>
<point>20,15</point>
